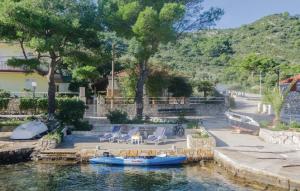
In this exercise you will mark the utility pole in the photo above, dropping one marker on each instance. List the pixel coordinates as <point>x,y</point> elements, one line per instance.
<point>112,74</point>
<point>260,88</point>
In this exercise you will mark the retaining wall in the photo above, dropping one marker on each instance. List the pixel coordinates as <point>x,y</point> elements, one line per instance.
<point>280,137</point>
<point>15,155</point>
<point>153,109</point>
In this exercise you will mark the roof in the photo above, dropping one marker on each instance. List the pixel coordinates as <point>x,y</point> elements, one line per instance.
<point>289,80</point>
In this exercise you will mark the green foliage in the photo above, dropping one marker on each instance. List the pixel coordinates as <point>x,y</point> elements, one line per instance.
<point>204,86</point>
<point>86,72</point>
<point>27,104</point>
<point>179,87</point>
<point>157,82</point>
<point>54,30</point>
<point>128,84</point>
<point>70,110</point>
<point>117,117</point>
<point>277,99</point>
<point>232,103</point>
<point>4,94</point>
<point>56,135</point>
<point>294,125</point>
<point>200,134</point>
<point>236,56</point>
<point>11,122</point>
<point>82,126</point>
<point>181,118</point>
<point>42,104</point>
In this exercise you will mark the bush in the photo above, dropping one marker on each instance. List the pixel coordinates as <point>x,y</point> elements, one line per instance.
<point>70,110</point>
<point>281,126</point>
<point>56,135</point>
<point>82,126</point>
<point>295,125</point>
<point>117,117</point>
<point>232,104</point>
<point>4,94</point>
<point>4,99</point>
<point>42,104</point>
<point>27,104</point>
<point>181,118</point>
<point>265,124</point>
<point>4,103</point>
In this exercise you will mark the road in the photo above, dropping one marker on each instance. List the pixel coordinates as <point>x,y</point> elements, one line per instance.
<point>251,152</point>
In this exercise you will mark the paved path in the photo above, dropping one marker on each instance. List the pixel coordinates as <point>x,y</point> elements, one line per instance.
<point>250,152</point>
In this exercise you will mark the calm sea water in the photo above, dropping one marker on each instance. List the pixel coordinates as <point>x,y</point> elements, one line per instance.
<point>32,176</point>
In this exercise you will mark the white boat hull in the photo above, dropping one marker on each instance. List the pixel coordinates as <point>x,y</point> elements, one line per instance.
<point>29,130</point>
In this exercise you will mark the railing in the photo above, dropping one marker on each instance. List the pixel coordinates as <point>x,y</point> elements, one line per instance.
<point>40,94</point>
<point>167,100</point>
<point>4,66</point>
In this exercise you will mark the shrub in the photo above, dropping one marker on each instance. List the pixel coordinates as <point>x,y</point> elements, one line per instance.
<point>295,125</point>
<point>42,104</point>
<point>264,124</point>
<point>4,103</point>
<point>232,104</point>
<point>55,135</point>
<point>82,126</point>
<point>4,94</point>
<point>181,118</point>
<point>70,110</point>
<point>28,104</point>
<point>4,99</point>
<point>117,117</point>
<point>281,126</point>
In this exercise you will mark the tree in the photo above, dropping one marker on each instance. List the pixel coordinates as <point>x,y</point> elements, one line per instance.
<point>276,98</point>
<point>149,23</point>
<point>55,30</point>
<point>204,86</point>
<point>179,87</point>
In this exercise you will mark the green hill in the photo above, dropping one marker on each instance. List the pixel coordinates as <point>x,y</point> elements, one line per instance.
<point>208,54</point>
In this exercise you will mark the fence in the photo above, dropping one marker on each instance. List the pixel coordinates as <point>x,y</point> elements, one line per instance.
<point>165,100</point>
<point>162,106</point>
<point>40,94</point>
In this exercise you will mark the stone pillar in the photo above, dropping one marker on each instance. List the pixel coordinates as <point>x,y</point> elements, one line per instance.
<point>100,103</point>
<point>270,110</point>
<point>82,94</point>
<point>264,108</point>
<point>259,107</point>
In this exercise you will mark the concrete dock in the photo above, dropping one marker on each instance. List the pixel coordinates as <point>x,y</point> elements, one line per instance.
<point>247,156</point>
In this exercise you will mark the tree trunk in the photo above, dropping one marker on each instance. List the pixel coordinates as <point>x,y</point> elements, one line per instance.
<point>139,91</point>
<point>51,89</point>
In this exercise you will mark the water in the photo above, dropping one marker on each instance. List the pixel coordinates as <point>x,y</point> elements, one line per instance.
<point>32,176</point>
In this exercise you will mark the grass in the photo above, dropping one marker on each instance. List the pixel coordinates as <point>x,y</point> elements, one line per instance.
<point>293,126</point>
<point>11,122</point>
<point>200,134</point>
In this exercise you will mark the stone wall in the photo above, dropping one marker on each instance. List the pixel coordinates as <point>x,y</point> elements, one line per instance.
<point>145,129</point>
<point>15,155</point>
<point>291,109</point>
<point>153,109</point>
<point>280,137</point>
<point>201,143</point>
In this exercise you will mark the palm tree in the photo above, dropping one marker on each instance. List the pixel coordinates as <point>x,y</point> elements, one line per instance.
<point>276,98</point>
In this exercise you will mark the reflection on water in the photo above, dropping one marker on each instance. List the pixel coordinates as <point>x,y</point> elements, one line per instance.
<point>32,176</point>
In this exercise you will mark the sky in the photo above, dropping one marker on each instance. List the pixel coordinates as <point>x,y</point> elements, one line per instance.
<point>240,12</point>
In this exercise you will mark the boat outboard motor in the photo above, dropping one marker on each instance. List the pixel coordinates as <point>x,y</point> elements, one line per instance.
<point>106,154</point>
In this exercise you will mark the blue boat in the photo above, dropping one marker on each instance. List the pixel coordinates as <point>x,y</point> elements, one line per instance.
<point>158,160</point>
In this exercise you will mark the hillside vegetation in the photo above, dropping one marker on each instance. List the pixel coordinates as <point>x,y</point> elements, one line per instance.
<point>231,55</point>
